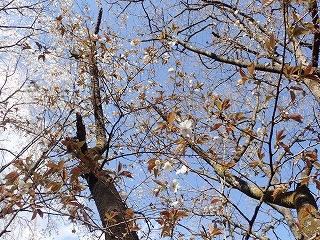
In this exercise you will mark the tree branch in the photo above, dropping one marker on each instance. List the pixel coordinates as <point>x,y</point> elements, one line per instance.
<point>300,199</point>
<point>101,138</point>
<point>222,59</point>
<point>284,199</point>
<point>81,132</point>
<point>312,84</point>
<point>316,36</point>
<point>97,28</point>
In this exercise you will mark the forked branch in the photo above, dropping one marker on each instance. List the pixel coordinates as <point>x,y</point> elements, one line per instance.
<point>300,199</point>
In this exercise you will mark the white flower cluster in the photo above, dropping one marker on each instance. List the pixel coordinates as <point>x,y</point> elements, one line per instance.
<point>166,56</point>
<point>177,204</point>
<point>185,128</point>
<point>175,185</point>
<point>167,167</point>
<point>182,170</point>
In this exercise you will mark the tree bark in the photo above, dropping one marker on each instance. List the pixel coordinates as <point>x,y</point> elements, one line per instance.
<point>108,201</point>
<point>308,215</point>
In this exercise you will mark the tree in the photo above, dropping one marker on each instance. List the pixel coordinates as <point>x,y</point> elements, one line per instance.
<point>278,45</point>
<point>35,181</point>
<point>205,113</point>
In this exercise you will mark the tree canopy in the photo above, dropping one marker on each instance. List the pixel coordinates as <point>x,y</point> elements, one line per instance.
<point>142,119</point>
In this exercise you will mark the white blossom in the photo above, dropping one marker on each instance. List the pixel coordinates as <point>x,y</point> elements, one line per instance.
<point>23,187</point>
<point>166,56</point>
<point>175,204</point>
<point>241,81</point>
<point>185,128</point>
<point>255,93</point>
<point>146,59</point>
<point>216,138</point>
<point>261,132</point>
<point>171,70</point>
<point>21,184</point>
<point>182,170</point>
<point>156,191</point>
<point>157,163</point>
<point>175,186</point>
<point>211,208</point>
<point>172,43</point>
<point>123,195</point>
<point>167,167</point>
<point>95,36</point>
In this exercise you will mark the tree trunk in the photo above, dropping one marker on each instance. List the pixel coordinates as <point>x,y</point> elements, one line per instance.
<point>115,216</point>
<point>109,203</point>
<point>308,215</point>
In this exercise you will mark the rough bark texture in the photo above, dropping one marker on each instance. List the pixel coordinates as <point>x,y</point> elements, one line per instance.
<point>308,216</point>
<point>108,200</point>
<point>100,133</point>
<point>316,37</point>
<point>292,224</point>
<point>314,87</point>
